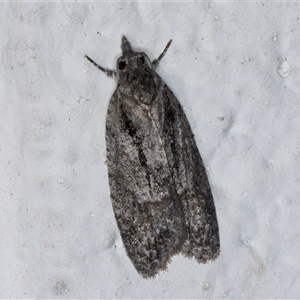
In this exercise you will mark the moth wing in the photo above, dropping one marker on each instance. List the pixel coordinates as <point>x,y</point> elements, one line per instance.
<point>191,181</point>
<point>147,208</point>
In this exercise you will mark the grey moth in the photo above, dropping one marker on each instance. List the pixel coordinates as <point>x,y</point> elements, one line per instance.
<point>161,197</point>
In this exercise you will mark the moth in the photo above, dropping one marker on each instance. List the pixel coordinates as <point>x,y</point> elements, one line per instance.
<point>161,197</point>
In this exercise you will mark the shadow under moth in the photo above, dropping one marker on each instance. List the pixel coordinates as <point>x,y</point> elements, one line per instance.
<point>159,189</point>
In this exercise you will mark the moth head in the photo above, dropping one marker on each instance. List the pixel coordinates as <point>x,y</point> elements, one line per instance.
<point>134,61</point>
<point>131,60</point>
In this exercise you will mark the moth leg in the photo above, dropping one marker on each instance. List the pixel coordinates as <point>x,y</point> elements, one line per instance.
<point>109,73</point>
<point>156,61</point>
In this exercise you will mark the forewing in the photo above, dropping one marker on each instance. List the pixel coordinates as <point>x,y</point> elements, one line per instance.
<point>147,208</point>
<point>191,181</point>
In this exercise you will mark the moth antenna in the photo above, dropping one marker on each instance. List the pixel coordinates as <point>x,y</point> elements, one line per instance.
<point>109,73</point>
<point>156,61</point>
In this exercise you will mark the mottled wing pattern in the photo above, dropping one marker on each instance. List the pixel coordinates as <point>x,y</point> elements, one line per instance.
<point>147,207</point>
<point>160,192</point>
<point>191,181</point>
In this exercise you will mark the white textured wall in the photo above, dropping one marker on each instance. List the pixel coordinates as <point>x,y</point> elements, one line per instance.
<point>58,236</point>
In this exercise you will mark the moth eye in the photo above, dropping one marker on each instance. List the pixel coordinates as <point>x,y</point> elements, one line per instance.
<point>142,59</point>
<point>122,64</point>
